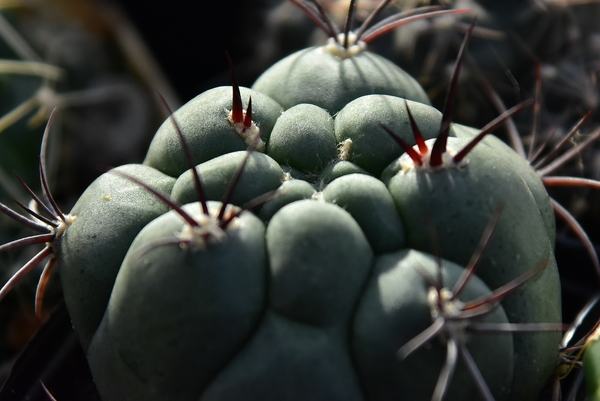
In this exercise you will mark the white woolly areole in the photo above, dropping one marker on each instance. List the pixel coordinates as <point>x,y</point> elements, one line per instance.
<point>207,232</point>
<point>250,135</point>
<point>407,163</point>
<point>344,149</point>
<point>63,225</point>
<point>338,50</point>
<point>449,308</point>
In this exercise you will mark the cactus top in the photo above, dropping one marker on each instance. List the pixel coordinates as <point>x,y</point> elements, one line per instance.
<point>318,76</point>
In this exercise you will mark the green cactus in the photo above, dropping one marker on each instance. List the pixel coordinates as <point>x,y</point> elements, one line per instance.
<point>325,235</point>
<point>110,213</point>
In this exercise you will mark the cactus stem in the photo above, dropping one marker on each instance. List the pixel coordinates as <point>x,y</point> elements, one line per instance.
<point>196,233</point>
<point>209,228</point>
<point>451,319</point>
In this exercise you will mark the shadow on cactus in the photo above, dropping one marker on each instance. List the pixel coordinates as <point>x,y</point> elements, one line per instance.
<point>413,286</point>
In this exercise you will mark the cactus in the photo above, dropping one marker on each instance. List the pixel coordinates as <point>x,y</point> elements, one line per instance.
<point>326,234</point>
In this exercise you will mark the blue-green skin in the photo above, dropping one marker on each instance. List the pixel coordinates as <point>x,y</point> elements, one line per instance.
<point>303,138</point>
<point>288,192</point>
<point>527,173</point>
<point>207,129</point>
<point>261,175</point>
<point>336,170</point>
<point>461,202</point>
<point>316,76</point>
<point>372,147</point>
<point>394,309</point>
<point>296,174</point>
<point>371,205</point>
<point>292,361</point>
<point>110,213</point>
<point>177,316</point>
<point>319,260</point>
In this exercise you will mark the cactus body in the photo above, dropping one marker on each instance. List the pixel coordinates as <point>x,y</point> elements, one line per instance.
<point>206,126</point>
<point>592,370</point>
<point>303,138</point>
<point>474,190</point>
<point>290,191</point>
<point>394,309</point>
<point>372,148</point>
<point>341,280</point>
<point>261,174</point>
<point>526,172</point>
<point>110,213</point>
<point>371,205</point>
<point>318,77</point>
<point>225,281</point>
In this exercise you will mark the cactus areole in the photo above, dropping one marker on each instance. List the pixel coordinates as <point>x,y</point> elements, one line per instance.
<point>326,235</point>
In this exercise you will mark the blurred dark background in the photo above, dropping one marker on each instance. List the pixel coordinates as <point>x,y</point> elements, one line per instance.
<point>189,39</point>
